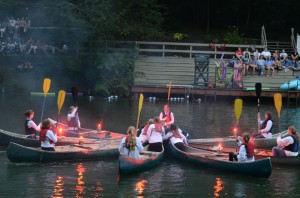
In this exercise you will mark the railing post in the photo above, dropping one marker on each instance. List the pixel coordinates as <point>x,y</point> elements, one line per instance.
<point>215,52</point>
<point>163,50</point>
<point>191,49</point>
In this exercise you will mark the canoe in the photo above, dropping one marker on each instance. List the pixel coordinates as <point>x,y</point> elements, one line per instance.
<point>259,153</point>
<point>147,160</point>
<point>6,137</point>
<point>230,141</point>
<point>258,168</point>
<point>83,132</point>
<point>74,152</point>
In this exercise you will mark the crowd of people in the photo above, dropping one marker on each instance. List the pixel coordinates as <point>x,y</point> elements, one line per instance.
<point>265,62</point>
<point>15,38</point>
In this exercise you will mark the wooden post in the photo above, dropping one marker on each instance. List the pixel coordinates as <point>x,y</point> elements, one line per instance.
<point>191,49</point>
<point>163,50</point>
<point>215,51</point>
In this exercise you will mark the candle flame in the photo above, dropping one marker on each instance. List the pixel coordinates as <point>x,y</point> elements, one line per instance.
<point>60,130</point>
<point>81,137</point>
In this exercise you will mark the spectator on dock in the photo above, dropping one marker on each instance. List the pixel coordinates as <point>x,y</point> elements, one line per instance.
<point>283,55</point>
<point>287,64</point>
<point>266,126</point>
<point>247,52</point>
<point>131,145</point>
<point>277,64</point>
<point>265,53</point>
<point>295,65</point>
<point>246,63</point>
<point>288,146</point>
<point>238,73</point>
<point>275,55</point>
<point>239,53</point>
<point>295,55</point>
<point>253,64</point>
<point>232,61</point>
<point>269,66</point>
<point>256,54</point>
<point>261,63</point>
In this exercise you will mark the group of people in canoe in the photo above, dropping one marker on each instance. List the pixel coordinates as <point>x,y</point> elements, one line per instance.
<point>153,134</point>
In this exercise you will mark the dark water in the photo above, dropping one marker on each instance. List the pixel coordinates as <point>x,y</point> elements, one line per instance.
<point>170,179</point>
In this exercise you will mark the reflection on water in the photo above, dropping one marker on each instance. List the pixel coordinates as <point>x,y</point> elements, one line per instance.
<point>218,187</point>
<point>58,187</point>
<point>140,187</point>
<point>80,187</point>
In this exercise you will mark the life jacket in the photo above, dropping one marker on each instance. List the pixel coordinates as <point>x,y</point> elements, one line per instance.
<point>249,149</point>
<point>167,116</point>
<point>264,125</point>
<point>145,129</point>
<point>42,137</point>
<point>176,134</point>
<point>158,127</point>
<point>29,131</point>
<point>292,147</point>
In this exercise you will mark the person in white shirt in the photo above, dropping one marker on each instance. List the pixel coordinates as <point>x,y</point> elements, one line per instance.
<point>47,137</point>
<point>73,119</point>
<point>246,151</point>
<point>266,126</point>
<point>143,136</point>
<point>287,146</point>
<point>30,127</point>
<point>167,116</point>
<point>265,53</point>
<point>176,137</point>
<point>282,55</point>
<point>131,145</point>
<point>155,135</point>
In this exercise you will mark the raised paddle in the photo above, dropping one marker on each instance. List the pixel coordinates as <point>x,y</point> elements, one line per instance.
<point>238,106</point>
<point>139,110</point>
<point>74,91</point>
<point>278,105</point>
<point>46,87</point>
<point>60,101</point>
<point>169,92</point>
<point>258,93</point>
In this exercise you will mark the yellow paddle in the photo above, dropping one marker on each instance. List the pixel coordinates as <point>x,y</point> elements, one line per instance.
<point>278,105</point>
<point>46,87</point>
<point>139,111</point>
<point>60,101</point>
<point>169,93</point>
<point>238,106</point>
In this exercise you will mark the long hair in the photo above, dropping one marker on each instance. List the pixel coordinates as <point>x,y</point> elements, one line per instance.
<point>246,138</point>
<point>294,132</point>
<point>156,120</point>
<point>46,124</point>
<point>132,138</point>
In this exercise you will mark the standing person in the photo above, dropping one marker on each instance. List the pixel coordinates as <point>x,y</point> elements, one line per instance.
<point>155,134</point>
<point>30,127</point>
<point>73,119</point>
<point>246,152</point>
<point>176,137</point>
<point>131,145</point>
<point>143,136</point>
<point>167,116</point>
<point>238,73</point>
<point>47,137</point>
<point>266,127</point>
<point>287,146</point>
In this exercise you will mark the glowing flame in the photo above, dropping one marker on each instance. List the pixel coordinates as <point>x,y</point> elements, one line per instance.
<point>235,130</point>
<point>81,138</point>
<point>218,187</point>
<point>60,130</point>
<point>140,186</point>
<point>99,126</point>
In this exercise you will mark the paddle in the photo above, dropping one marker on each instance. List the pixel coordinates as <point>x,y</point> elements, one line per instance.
<point>278,105</point>
<point>139,110</point>
<point>46,87</point>
<point>60,102</point>
<point>258,92</point>
<point>238,106</point>
<point>74,91</point>
<point>169,92</point>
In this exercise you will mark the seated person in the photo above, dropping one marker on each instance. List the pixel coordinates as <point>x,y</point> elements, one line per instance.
<point>47,137</point>
<point>176,137</point>
<point>277,64</point>
<point>294,65</point>
<point>247,52</point>
<point>167,116</point>
<point>282,55</point>
<point>232,61</point>
<point>287,64</point>
<point>266,127</point>
<point>275,55</point>
<point>260,65</point>
<point>295,55</point>
<point>131,145</point>
<point>269,66</point>
<point>239,53</point>
<point>265,53</point>
<point>246,62</point>
<point>246,152</point>
<point>252,64</point>
<point>155,134</point>
<point>287,146</point>
<point>73,119</point>
<point>256,54</point>
<point>143,136</point>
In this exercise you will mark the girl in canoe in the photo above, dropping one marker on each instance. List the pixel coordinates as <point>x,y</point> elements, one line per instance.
<point>246,152</point>
<point>266,126</point>
<point>47,137</point>
<point>131,145</point>
<point>176,137</point>
<point>73,119</point>
<point>167,116</point>
<point>143,136</point>
<point>287,146</point>
<point>155,135</point>
<point>30,127</point>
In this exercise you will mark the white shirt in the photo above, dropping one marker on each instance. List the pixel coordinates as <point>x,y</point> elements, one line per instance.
<point>154,136</point>
<point>285,142</point>
<point>31,124</point>
<point>283,55</point>
<point>133,154</point>
<point>142,137</point>
<point>49,136</point>
<point>163,119</point>
<point>265,53</point>
<point>175,140</point>
<point>242,156</point>
<point>264,131</point>
<point>72,115</point>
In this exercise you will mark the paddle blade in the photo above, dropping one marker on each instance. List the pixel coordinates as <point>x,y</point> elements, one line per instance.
<point>74,91</point>
<point>278,103</point>
<point>140,108</point>
<point>60,99</point>
<point>169,92</point>
<point>258,89</point>
<point>46,85</point>
<point>238,106</point>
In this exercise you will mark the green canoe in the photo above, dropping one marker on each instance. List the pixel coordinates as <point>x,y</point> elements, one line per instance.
<point>258,168</point>
<point>259,153</point>
<point>104,149</point>
<point>147,160</point>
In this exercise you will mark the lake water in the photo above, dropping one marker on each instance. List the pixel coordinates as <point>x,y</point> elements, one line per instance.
<point>172,178</point>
